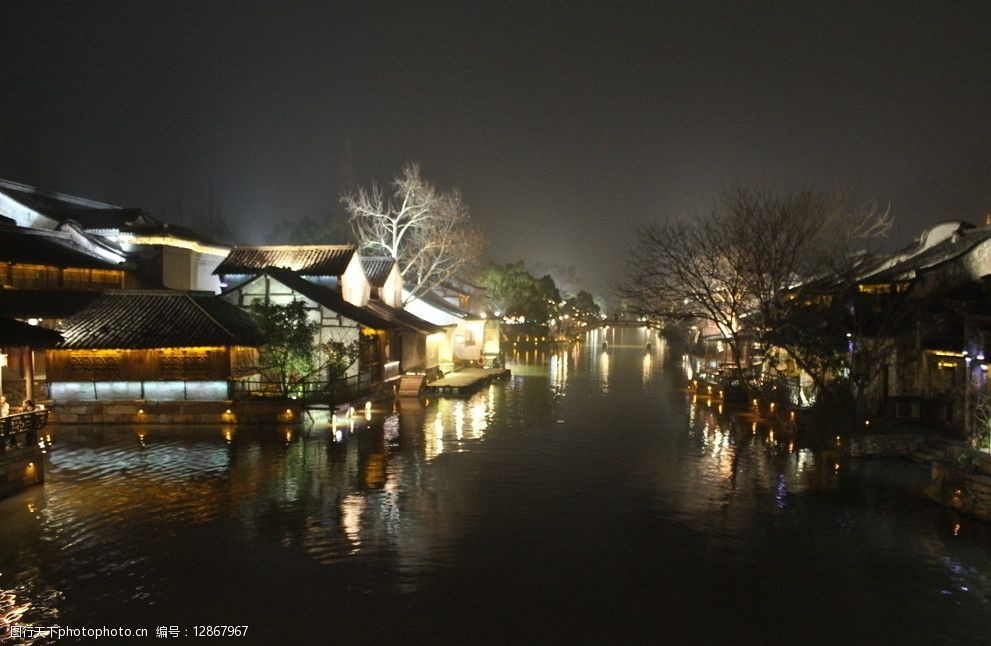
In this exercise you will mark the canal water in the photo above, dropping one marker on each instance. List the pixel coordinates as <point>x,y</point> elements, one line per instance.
<point>585,497</point>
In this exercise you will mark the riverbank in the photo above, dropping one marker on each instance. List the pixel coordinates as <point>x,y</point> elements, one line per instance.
<point>179,412</point>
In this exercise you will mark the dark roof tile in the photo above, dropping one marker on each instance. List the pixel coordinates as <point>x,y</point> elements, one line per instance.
<point>44,303</point>
<point>44,247</point>
<point>329,298</point>
<point>16,333</point>
<point>157,319</point>
<point>306,260</point>
<point>377,269</point>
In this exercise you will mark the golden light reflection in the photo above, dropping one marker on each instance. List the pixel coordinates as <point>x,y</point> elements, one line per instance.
<point>478,420</point>
<point>604,370</point>
<point>351,509</point>
<point>459,420</point>
<point>559,371</point>
<point>647,369</point>
<point>433,439</point>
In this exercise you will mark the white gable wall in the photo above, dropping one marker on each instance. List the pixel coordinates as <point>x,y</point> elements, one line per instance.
<point>391,292</point>
<point>187,269</point>
<point>355,287</point>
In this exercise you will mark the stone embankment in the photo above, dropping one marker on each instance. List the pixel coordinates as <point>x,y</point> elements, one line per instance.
<point>961,477</point>
<point>181,412</point>
<point>963,481</point>
<point>885,445</point>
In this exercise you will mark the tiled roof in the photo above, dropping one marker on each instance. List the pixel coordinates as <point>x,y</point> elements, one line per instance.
<point>157,319</point>
<point>44,247</point>
<point>329,298</point>
<point>16,333</point>
<point>60,206</point>
<point>377,269</point>
<point>306,260</point>
<point>462,286</point>
<point>439,302</point>
<point>949,249</point>
<point>44,303</point>
<point>172,230</point>
<point>403,318</point>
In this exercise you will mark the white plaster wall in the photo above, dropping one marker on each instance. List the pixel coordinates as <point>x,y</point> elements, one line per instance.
<point>469,339</point>
<point>392,291</point>
<point>355,287</point>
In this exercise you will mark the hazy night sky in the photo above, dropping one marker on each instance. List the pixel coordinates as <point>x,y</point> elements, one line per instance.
<point>562,125</point>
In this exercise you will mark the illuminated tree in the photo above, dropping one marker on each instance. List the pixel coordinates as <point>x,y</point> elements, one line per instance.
<point>427,231</point>
<point>289,355</point>
<point>513,291</point>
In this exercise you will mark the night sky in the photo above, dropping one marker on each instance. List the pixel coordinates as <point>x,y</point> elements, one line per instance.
<point>563,126</point>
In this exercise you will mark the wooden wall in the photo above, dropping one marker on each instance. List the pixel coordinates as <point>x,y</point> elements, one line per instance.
<point>139,365</point>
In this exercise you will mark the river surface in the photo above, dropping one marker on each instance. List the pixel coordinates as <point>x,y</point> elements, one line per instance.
<point>585,497</point>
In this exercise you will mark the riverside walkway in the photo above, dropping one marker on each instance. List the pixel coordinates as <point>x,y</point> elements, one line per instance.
<point>466,380</point>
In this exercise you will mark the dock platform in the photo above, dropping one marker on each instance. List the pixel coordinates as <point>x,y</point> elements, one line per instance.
<point>466,381</point>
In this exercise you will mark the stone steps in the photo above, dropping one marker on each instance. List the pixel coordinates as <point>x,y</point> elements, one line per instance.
<point>411,385</point>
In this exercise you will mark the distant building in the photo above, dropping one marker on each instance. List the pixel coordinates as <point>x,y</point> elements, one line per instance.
<point>470,337</point>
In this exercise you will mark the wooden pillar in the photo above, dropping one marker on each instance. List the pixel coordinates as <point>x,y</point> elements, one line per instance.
<point>27,370</point>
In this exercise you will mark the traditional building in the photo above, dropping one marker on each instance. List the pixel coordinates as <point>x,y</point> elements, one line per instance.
<point>469,338</point>
<point>163,255</point>
<point>340,321</point>
<point>384,277</point>
<point>466,296</point>
<point>337,267</point>
<point>152,345</point>
<point>66,258</point>
<point>18,342</point>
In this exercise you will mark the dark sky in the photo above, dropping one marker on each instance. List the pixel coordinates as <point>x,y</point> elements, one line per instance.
<point>562,125</point>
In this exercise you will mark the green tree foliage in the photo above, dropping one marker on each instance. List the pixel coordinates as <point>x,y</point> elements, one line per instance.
<point>290,355</point>
<point>512,291</point>
<point>287,354</point>
<point>582,307</point>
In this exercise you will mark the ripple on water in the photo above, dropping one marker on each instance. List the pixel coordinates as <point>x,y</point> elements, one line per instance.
<point>585,487</point>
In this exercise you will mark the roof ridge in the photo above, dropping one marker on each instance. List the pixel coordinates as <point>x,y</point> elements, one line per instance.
<point>72,199</point>
<point>293,246</point>
<point>209,316</point>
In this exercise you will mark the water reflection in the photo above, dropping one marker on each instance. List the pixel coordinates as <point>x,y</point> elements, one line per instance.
<point>604,370</point>
<point>625,494</point>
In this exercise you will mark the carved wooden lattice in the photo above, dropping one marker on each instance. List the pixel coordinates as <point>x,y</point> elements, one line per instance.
<point>99,366</point>
<point>184,366</point>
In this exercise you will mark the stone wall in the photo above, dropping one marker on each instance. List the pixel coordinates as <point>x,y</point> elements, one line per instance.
<point>966,490</point>
<point>178,412</point>
<point>884,445</point>
<point>21,468</point>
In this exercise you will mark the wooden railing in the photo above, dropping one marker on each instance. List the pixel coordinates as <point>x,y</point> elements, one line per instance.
<point>21,429</point>
<point>310,392</point>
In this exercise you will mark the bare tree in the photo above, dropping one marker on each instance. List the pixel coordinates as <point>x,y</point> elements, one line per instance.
<point>742,265</point>
<point>428,231</point>
<point>690,271</point>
